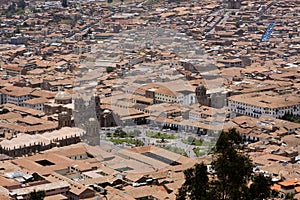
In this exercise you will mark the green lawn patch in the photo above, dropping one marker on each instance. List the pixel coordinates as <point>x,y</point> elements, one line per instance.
<point>197,152</point>
<point>175,150</point>
<point>135,142</point>
<point>159,135</point>
<point>193,141</point>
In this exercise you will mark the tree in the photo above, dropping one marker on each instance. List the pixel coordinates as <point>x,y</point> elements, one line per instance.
<point>190,140</point>
<point>290,196</point>
<point>233,169</point>
<point>258,189</point>
<point>21,4</point>
<point>195,185</point>
<point>4,111</point>
<point>37,195</point>
<point>109,69</point>
<point>25,24</point>
<point>291,118</point>
<point>64,3</point>
<point>138,143</point>
<point>12,7</point>
<point>231,177</point>
<point>228,142</point>
<point>120,133</point>
<point>10,10</point>
<point>89,31</point>
<point>233,173</point>
<point>104,193</point>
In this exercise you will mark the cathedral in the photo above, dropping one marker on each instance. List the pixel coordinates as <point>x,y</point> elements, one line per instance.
<point>215,100</point>
<point>233,4</point>
<point>87,115</point>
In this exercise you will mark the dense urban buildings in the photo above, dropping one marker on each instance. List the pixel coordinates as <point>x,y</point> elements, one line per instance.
<point>115,99</point>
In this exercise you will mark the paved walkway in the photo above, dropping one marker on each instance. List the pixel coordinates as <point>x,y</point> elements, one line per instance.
<point>150,141</point>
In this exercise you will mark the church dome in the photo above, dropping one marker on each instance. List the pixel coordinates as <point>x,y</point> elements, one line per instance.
<point>62,96</point>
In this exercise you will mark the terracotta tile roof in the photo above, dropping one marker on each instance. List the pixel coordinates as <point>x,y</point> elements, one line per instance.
<point>267,99</point>
<point>35,101</point>
<point>290,182</point>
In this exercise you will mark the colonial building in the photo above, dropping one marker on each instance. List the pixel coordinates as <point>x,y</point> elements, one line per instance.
<point>26,144</point>
<point>92,135</point>
<point>267,103</point>
<point>62,102</point>
<point>201,95</point>
<point>86,109</point>
<point>15,95</point>
<point>161,94</point>
<point>215,99</point>
<point>233,4</point>
<point>64,119</point>
<point>63,97</point>
<point>36,103</point>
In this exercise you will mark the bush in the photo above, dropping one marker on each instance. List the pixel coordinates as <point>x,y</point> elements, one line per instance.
<point>291,118</point>
<point>197,152</point>
<point>120,133</point>
<point>4,111</point>
<point>109,69</point>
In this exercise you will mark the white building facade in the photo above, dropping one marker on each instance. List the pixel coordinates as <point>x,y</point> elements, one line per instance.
<point>274,106</point>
